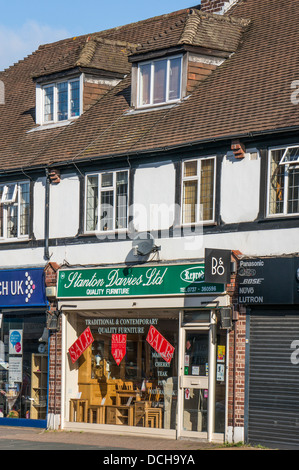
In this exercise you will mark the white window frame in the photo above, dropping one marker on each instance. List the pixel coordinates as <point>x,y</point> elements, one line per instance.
<point>198,220</point>
<point>107,188</point>
<point>6,203</point>
<point>55,104</point>
<point>152,62</point>
<point>286,166</point>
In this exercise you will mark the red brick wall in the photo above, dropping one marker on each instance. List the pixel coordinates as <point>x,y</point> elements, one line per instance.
<point>213,6</point>
<point>236,365</point>
<point>197,72</point>
<point>55,349</point>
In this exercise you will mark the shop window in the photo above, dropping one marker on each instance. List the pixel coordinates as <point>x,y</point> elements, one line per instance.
<point>135,387</point>
<point>283,181</point>
<point>14,210</point>
<point>23,367</point>
<point>106,201</point>
<point>198,191</point>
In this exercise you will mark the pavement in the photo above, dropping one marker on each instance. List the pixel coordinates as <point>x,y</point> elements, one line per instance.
<point>18,438</point>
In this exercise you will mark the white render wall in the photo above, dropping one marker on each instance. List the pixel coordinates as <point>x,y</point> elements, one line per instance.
<point>240,188</point>
<point>154,186</point>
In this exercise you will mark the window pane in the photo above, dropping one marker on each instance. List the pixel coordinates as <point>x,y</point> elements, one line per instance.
<point>293,192</point>
<point>1,213</point>
<point>106,214</point>
<point>276,183</point>
<point>62,101</point>
<point>107,180</point>
<point>121,199</point>
<point>175,79</point>
<point>49,104</point>
<point>207,189</point>
<point>190,168</point>
<point>10,192</point>
<point>160,73</point>
<point>12,221</point>
<point>189,202</point>
<point>24,208</point>
<point>145,84</point>
<point>92,203</point>
<point>75,98</point>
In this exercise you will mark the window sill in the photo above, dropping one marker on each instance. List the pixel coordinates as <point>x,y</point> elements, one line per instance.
<point>156,107</point>
<point>281,217</point>
<point>53,125</point>
<point>105,234</point>
<point>14,240</point>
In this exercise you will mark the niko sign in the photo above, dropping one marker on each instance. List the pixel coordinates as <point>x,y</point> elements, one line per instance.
<point>217,266</point>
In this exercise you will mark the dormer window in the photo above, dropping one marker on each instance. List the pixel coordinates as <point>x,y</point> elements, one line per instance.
<point>61,101</point>
<point>159,81</point>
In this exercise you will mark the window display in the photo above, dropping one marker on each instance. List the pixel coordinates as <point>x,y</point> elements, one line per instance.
<point>23,367</point>
<point>128,375</point>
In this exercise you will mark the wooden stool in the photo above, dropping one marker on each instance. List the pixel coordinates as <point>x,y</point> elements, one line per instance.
<point>153,417</point>
<point>99,411</point>
<point>78,410</point>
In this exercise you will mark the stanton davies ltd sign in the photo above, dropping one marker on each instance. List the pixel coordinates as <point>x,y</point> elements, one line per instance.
<point>135,281</point>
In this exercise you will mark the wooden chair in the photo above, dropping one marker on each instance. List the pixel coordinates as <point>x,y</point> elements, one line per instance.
<point>139,412</point>
<point>128,385</point>
<point>119,384</point>
<point>97,412</point>
<point>78,410</point>
<point>148,390</point>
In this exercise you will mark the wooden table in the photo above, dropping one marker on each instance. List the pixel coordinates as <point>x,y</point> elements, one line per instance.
<point>127,394</point>
<point>78,410</point>
<point>120,415</point>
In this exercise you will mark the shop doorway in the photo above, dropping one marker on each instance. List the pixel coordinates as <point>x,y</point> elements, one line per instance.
<point>202,381</point>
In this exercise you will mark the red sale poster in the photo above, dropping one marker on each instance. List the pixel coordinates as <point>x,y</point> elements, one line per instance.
<point>118,347</point>
<point>160,344</point>
<point>80,345</point>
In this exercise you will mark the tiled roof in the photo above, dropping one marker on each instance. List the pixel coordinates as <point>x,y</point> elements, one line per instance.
<point>200,29</point>
<point>249,93</point>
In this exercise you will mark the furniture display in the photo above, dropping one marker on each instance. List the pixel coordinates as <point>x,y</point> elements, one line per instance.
<point>109,395</point>
<point>39,372</point>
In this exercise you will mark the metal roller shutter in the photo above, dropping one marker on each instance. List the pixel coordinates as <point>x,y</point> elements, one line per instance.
<point>273,399</point>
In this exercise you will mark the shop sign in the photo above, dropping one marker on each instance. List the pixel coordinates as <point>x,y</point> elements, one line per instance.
<point>118,347</point>
<point>217,265</point>
<point>268,281</point>
<point>22,288</point>
<point>80,345</point>
<point>15,341</point>
<point>160,344</point>
<point>135,281</point>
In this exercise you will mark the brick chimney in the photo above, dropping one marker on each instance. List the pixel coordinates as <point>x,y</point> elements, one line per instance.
<point>216,6</point>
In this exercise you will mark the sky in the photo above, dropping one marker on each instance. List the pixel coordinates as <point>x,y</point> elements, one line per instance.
<point>26,24</point>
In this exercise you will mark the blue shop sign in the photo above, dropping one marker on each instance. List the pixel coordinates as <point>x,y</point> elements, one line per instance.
<point>22,288</point>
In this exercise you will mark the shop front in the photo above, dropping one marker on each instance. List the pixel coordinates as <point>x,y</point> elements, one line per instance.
<point>144,348</point>
<point>23,348</point>
<point>269,287</point>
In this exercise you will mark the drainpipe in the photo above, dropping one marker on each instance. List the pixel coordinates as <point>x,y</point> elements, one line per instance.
<point>47,216</point>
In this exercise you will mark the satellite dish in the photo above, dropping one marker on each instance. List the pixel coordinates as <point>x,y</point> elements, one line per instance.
<point>144,244</point>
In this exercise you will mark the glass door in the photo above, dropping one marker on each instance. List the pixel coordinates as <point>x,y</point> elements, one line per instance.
<point>202,380</point>
<point>195,381</point>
